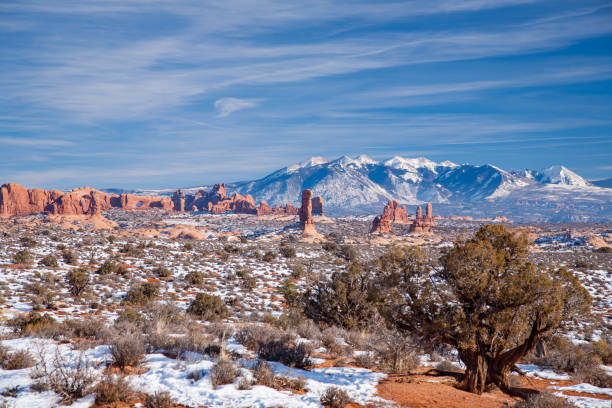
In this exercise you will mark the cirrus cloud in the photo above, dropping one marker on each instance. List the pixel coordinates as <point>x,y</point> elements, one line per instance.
<point>227,106</point>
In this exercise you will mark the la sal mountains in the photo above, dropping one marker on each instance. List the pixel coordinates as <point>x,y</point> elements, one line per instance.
<point>363,185</point>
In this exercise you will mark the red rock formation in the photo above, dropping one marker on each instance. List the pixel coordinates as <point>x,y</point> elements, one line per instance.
<point>392,213</point>
<point>306,221</point>
<point>422,224</point>
<point>178,200</point>
<point>16,200</point>
<point>216,201</point>
<point>381,225</point>
<point>265,209</point>
<point>317,206</point>
<point>135,202</point>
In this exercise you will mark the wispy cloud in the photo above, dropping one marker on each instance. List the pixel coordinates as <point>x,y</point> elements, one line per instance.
<point>34,142</point>
<point>227,106</point>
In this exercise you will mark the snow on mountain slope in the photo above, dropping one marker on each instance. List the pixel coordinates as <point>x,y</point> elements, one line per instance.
<point>560,175</point>
<point>398,162</point>
<point>313,161</point>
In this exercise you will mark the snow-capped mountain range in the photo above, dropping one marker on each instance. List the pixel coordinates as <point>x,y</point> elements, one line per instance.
<point>362,184</point>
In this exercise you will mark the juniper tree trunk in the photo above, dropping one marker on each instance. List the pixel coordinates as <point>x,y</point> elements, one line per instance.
<point>476,372</point>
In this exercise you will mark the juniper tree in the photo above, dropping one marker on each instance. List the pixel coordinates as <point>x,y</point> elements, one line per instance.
<point>346,299</point>
<point>485,299</point>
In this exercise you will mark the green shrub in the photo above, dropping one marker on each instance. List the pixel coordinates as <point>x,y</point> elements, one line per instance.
<point>348,299</point>
<point>208,307</point>
<point>142,294</point>
<point>78,280</point>
<point>110,266</point>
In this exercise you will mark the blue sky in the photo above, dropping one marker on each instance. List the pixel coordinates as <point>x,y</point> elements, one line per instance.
<point>146,93</point>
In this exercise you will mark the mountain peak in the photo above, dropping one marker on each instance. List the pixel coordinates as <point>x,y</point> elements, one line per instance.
<point>402,163</point>
<point>359,161</point>
<point>313,161</point>
<point>561,175</point>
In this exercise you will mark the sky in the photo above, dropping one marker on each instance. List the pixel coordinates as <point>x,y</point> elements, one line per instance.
<point>162,94</point>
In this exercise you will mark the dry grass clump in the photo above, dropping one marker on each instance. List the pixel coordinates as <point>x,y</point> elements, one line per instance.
<point>395,352</point>
<point>544,400</point>
<point>23,257</point>
<point>264,375</point>
<point>335,397</point>
<point>112,389</point>
<point>274,345</point>
<point>32,324</point>
<point>223,372</point>
<point>15,360</point>
<point>195,278</point>
<point>583,362</point>
<point>49,261</point>
<point>162,272</point>
<point>70,379</point>
<point>128,349</point>
<point>159,400</point>
<point>110,266</point>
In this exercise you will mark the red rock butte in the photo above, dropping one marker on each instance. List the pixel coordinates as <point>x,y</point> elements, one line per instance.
<point>422,224</point>
<point>393,213</point>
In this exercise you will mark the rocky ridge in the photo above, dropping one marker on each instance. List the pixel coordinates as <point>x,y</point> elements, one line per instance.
<point>16,200</point>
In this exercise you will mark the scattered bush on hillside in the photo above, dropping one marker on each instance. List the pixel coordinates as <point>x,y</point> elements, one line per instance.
<point>23,257</point>
<point>142,294</point>
<point>69,257</point>
<point>208,307</point>
<point>49,261</point>
<point>78,280</point>
<point>347,299</point>
<point>195,278</point>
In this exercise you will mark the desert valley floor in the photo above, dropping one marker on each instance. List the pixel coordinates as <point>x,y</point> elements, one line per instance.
<point>76,292</point>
